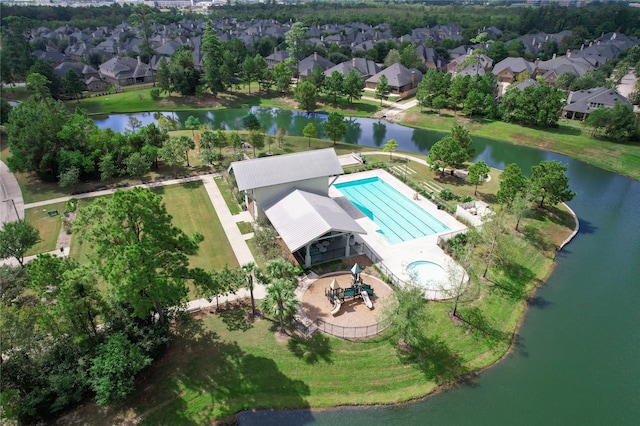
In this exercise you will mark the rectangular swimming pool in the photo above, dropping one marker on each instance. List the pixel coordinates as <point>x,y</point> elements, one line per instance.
<point>399,218</point>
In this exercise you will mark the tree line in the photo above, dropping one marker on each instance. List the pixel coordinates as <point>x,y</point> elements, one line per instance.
<point>74,330</point>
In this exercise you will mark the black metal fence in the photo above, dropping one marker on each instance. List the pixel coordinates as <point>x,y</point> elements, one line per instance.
<point>361,332</point>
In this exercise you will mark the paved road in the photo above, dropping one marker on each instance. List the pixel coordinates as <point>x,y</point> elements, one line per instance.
<point>11,203</point>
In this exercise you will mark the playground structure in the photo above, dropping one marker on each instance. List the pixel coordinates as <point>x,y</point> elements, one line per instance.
<point>338,295</point>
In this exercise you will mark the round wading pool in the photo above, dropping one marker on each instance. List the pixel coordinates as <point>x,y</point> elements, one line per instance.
<point>428,274</point>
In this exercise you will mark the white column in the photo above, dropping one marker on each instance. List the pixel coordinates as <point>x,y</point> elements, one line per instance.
<point>307,257</point>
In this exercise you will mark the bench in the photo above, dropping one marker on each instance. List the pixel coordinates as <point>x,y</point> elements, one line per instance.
<point>52,213</point>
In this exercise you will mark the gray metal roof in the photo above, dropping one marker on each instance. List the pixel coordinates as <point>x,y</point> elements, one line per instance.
<point>268,171</point>
<point>301,217</point>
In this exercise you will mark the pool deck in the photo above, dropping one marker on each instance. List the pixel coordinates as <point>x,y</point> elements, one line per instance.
<point>397,256</point>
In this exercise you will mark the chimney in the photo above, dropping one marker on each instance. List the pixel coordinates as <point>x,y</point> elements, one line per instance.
<point>139,60</point>
<point>315,56</point>
<point>582,47</point>
<point>590,44</point>
<point>554,56</point>
<point>413,78</point>
<point>568,53</point>
<point>353,62</point>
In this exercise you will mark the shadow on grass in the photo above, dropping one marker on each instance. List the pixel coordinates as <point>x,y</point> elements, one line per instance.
<point>236,320</point>
<point>192,185</point>
<point>434,358</point>
<point>514,280</point>
<point>537,238</point>
<point>474,319</point>
<point>202,377</point>
<point>311,350</point>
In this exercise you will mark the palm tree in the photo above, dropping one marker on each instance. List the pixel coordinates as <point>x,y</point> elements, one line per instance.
<point>249,271</point>
<point>281,269</point>
<point>280,301</point>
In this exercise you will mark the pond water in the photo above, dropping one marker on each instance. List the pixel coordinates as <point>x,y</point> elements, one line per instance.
<point>576,358</point>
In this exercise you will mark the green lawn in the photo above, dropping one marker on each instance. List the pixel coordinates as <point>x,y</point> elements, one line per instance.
<point>47,226</point>
<point>570,138</point>
<point>192,212</point>
<point>229,199</point>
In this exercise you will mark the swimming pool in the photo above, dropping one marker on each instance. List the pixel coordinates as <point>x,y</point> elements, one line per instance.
<point>428,274</point>
<point>399,218</point>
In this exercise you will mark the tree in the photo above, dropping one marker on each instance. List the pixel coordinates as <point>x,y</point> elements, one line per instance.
<point>192,124</point>
<point>257,140</point>
<point>230,70</point>
<point>280,301</point>
<point>143,16</point>
<point>138,251</point>
<point>172,151</point>
<point>114,369</point>
<point>334,85</point>
<point>623,126</point>
<point>163,76</point>
<point>407,315</point>
<point>212,52</point>
<point>492,234</point>
<point>16,50</point>
<point>521,206</point>
<point>281,268</point>
<point>335,126</point>
<point>512,182</point>
<point>282,77</point>
<point>207,147</point>
<point>393,57</point>
<point>295,41</point>
<point>452,150</point>
<point>478,174</point>
<point>310,131</point>
<point>459,89</point>
<point>280,134</point>
<point>250,70</point>
<point>184,76</point>
<point>353,86</point>
<point>382,88</point>
<point>598,119</point>
<point>390,147</point>
<point>137,164</point>
<point>16,238</point>
<point>306,95</point>
<point>249,272</point>
<point>250,122</point>
<point>73,86</point>
<point>550,183</point>
<point>38,85</point>
<point>318,78</point>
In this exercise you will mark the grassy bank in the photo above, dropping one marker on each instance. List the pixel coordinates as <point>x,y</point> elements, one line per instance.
<point>570,138</point>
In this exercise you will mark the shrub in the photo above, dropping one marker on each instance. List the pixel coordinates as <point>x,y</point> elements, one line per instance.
<point>446,195</point>
<point>155,94</point>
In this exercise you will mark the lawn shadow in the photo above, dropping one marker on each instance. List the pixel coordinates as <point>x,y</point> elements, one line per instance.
<point>536,238</point>
<point>202,376</point>
<point>236,320</point>
<point>311,350</point>
<point>514,280</point>
<point>476,322</point>
<point>434,358</point>
<point>194,184</point>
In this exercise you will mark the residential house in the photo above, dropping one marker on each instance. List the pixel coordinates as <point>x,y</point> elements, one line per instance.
<point>430,58</point>
<point>402,81</point>
<point>583,102</point>
<point>509,69</point>
<point>125,71</point>
<point>311,62</point>
<point>364,67</point>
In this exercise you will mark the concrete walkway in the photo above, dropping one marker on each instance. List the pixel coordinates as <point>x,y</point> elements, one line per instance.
<point>11,202</point>
<point>229,224</point>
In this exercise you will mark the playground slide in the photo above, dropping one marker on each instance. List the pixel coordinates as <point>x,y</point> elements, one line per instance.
<point>366,299</point>
<point>336,307</point>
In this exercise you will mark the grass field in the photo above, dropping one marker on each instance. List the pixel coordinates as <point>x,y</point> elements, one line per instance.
<point>192,211</point>
<point>570,138</point>
<point>47,226</point>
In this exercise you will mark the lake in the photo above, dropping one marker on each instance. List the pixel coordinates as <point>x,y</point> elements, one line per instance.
<point>577,357</point>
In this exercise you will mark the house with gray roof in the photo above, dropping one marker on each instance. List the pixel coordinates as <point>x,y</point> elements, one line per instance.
<point>364,67</point>
<point>311,62</point>
<point>430,58</point>
<point>551,69</point>
<point>583,102</point>
<point>508,69</point>
<point>402,81</point>
<point>292,192</point>
<point>124,71</point>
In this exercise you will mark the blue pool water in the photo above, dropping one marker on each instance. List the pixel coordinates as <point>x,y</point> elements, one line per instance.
<point>428,274</point>
<point>399,218</point>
